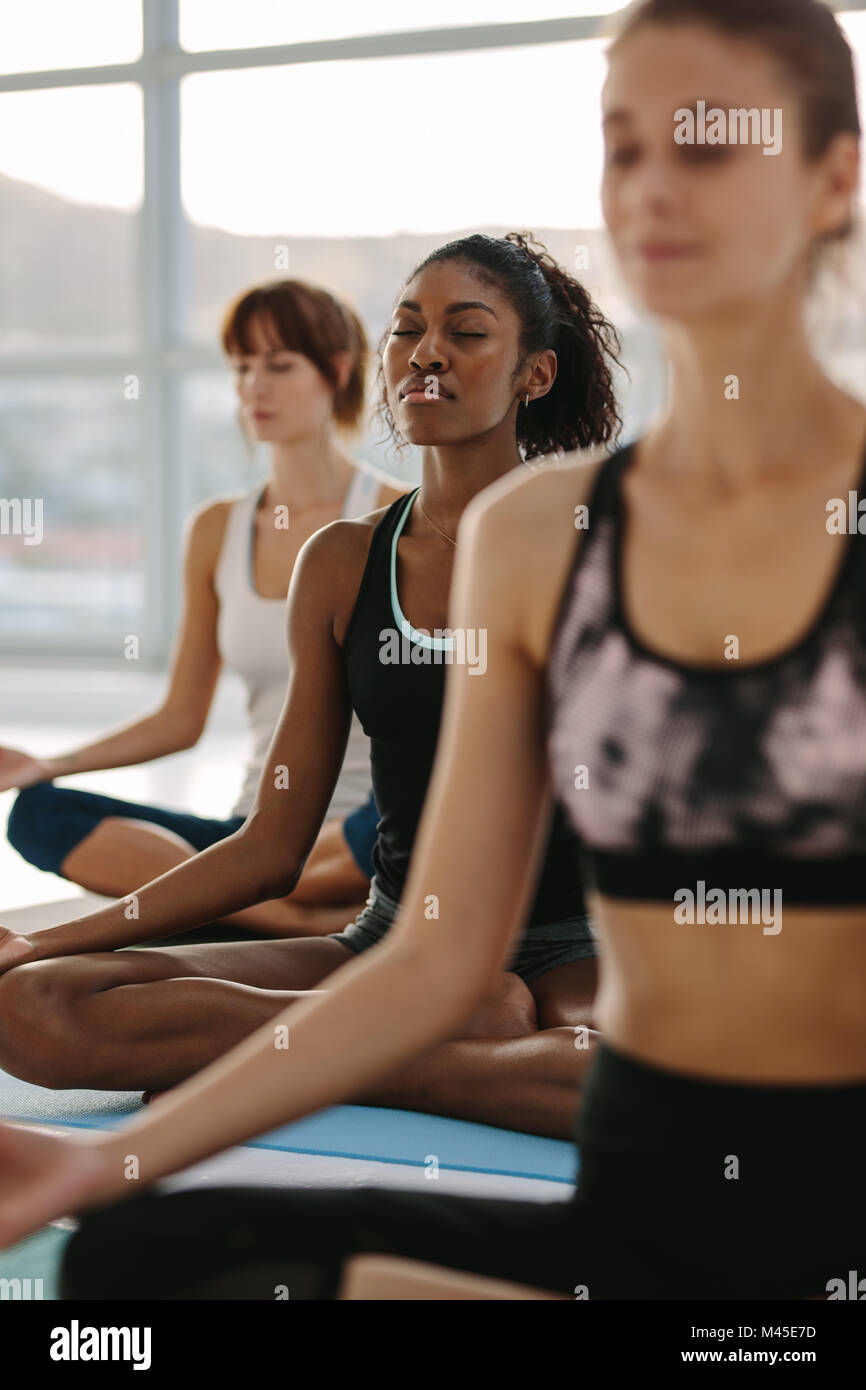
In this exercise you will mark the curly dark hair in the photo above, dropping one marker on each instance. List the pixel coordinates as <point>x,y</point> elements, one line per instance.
<point>555,311</point>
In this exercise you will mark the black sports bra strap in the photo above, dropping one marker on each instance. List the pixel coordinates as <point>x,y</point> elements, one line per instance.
<point>604,497</point>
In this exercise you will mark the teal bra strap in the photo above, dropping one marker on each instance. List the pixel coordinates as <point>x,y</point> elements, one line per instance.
<point>438,644</point>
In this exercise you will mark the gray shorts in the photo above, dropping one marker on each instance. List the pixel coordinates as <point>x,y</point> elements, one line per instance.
<point>543,948</point>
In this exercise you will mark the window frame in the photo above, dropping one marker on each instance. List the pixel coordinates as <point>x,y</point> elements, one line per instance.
<point>161,351</point>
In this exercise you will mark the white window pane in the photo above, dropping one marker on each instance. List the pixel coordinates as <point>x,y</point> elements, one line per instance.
<point>71,546</point>
<point>36,35</point>
<point>71,176</point>
<point>207,24</point>
<point>84,143</point>
<point>384,153</point>
<point>269,192</point>
<point>215,459</point>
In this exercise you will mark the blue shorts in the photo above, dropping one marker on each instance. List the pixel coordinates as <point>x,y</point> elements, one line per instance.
<point>47,822</point>
<point>359,828</point>
<point>543,947</point>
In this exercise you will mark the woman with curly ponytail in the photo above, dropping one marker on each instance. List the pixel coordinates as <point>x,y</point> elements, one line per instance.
<point>494,357</point>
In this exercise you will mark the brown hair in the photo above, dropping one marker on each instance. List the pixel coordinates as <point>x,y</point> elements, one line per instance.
<point>311,321</point>
<point>803,36</point>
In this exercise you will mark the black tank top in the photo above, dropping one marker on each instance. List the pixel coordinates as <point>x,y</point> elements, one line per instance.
<point>396,683</point>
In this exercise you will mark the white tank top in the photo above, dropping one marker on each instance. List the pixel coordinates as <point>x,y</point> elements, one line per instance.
<point>251,635</point>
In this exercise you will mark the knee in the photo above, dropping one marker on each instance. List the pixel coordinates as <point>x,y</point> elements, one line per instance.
<point>516,1000</point>
<point>508,1011</point>
<point>36,1023</point>
<point>28,828</point>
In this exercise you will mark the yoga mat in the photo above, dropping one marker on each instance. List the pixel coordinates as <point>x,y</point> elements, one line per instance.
<point>404,1139</point>
<point>343,1131</point>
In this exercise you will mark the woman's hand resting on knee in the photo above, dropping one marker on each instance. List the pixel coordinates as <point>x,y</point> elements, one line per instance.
<point>19,769</point>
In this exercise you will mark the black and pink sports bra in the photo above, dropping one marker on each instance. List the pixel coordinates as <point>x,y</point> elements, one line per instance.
<point>748,776</point>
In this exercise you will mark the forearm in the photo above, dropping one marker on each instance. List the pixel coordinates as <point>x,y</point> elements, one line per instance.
<point>282,917</point>
<point>155,736</point>
<point>393,1002</point>
<point>531,1083</point>
<point>231,875</point>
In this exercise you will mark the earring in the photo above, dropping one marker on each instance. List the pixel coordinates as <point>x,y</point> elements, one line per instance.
<point>526,400</point>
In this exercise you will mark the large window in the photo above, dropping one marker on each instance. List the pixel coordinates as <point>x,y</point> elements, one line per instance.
<point>208,25</point>
<point>157,158</point>
<point>72,575</point>
<point>71,185</point>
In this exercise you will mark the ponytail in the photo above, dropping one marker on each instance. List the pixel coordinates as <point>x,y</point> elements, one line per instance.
<point>580,410</point>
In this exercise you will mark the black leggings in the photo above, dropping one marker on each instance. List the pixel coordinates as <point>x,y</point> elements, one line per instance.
<point>688,1189</point>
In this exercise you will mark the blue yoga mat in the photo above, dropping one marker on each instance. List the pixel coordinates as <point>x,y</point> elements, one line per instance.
<point>344,1131</point>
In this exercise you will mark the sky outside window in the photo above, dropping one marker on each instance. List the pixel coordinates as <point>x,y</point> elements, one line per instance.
<point>38,35</point>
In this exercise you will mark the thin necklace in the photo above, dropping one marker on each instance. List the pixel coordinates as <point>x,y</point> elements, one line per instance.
<point>435,527</point>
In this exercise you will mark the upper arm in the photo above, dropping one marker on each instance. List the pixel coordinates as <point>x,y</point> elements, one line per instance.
<point>306,752</point>
<point>195,660</point>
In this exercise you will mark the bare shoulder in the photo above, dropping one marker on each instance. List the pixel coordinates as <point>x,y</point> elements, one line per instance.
<point>205,528</point>
<point>524,530</point>
<point>214,511</point>
<point>525,501</point>
<point>331,565</point>
<point>346,539</point>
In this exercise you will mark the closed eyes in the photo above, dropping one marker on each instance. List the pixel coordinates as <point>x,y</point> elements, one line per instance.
<point>407,332</point>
